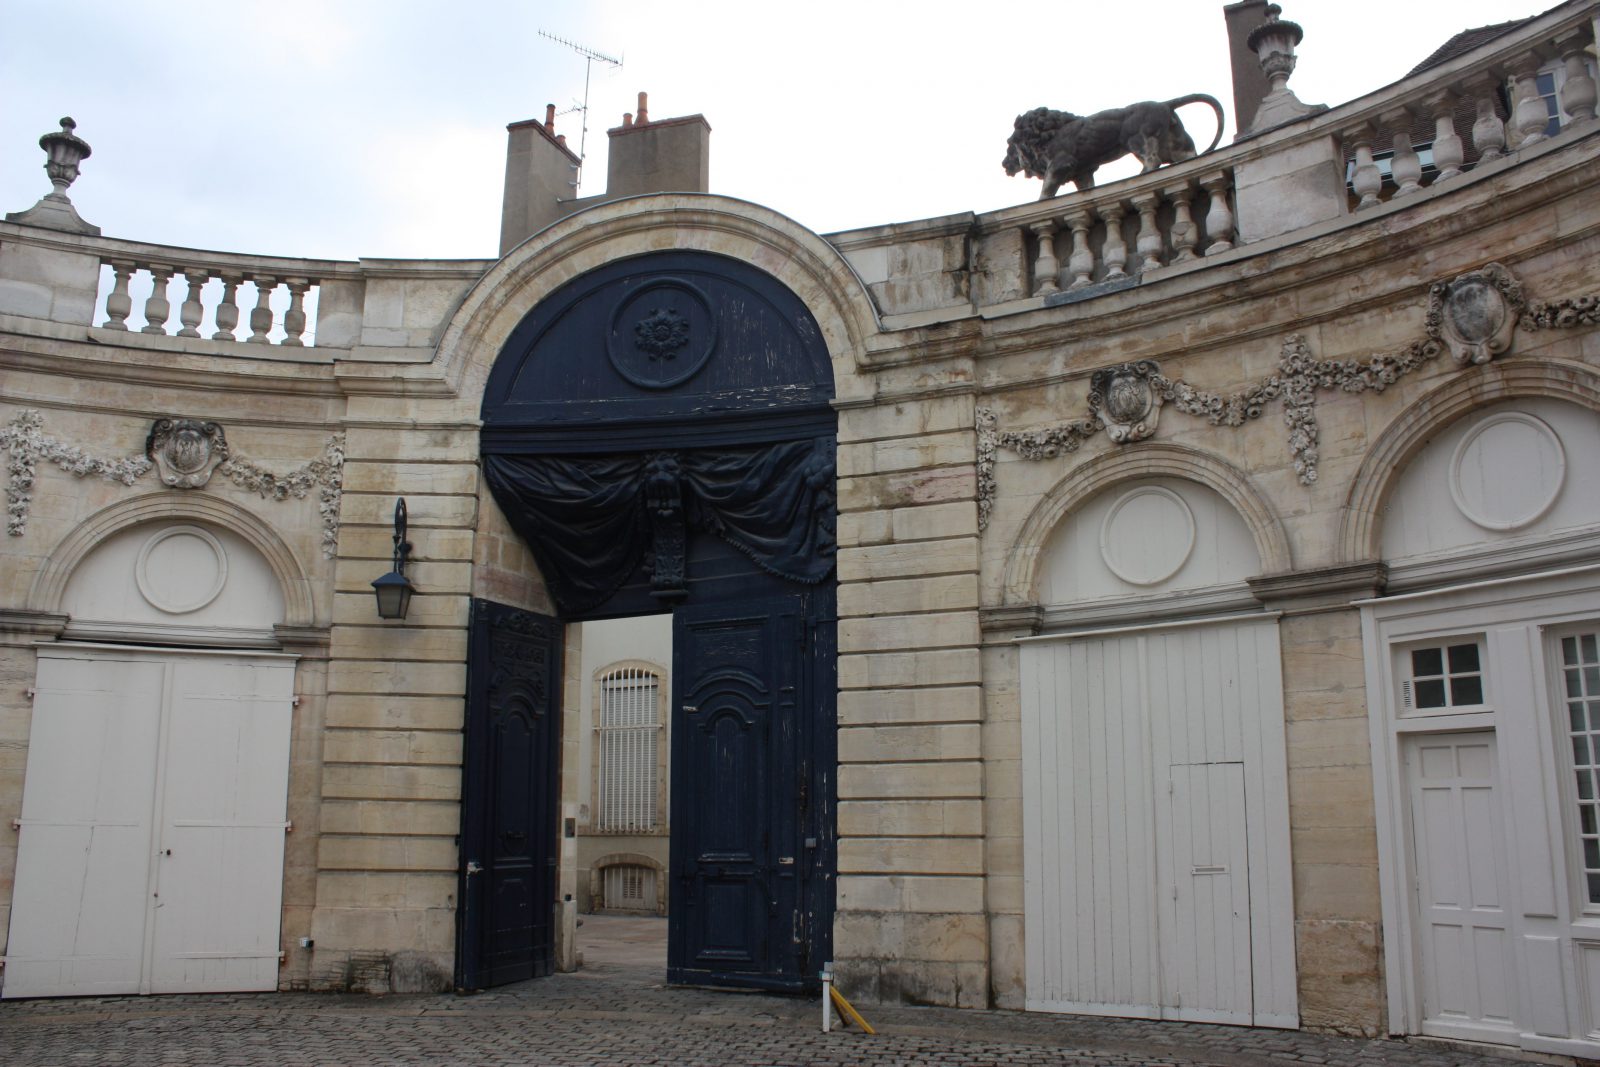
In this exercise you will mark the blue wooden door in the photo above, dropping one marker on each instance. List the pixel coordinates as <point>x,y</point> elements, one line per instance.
<point>751,886</point>
<point>509,797</point>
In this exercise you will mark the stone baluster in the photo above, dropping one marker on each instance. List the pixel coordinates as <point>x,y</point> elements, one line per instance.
<point>1081,260</point>
<point>1405,166</point>
<point>228,307</point>
<point>1528,112</point>
<point>1045,267</point>
<point>1185,234</point>
<point>1578,94</point>
<point>1448,151</point>
<point>1149,243</point>
<point>1367,179</point>
<point>118,303</point>
<point>191,312</point>
<point>294,320</point>
<point>157,309</point>
<point>1115,252</point>
<point>1488,131</point>
<point>1219,214</point>
<point>261,314</point>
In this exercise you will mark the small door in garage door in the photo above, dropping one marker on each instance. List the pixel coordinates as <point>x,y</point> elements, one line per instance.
<point>1463,929</point>
<point>150,855</point>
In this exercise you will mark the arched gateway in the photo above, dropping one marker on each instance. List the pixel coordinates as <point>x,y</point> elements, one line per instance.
<point>659,432</point>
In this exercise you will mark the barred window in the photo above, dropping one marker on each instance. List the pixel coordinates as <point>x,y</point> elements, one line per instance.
<point>628,733</point>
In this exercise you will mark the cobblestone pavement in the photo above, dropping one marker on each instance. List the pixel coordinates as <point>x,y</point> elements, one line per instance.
<point>619,1011</point>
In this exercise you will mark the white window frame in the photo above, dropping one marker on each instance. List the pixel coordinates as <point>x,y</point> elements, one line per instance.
<point>1566,768</point>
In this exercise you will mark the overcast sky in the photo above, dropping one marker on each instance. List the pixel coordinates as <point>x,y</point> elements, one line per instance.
<point>346,128</point>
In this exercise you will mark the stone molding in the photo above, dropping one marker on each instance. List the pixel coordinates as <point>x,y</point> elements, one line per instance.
<point>1147,461</point>
<point>813,269</point>
<point>1474,315</point>
<point>175,505</point>
<point>24,438</point>
<point>1340,581</point>
<point>307,642</point>
<point>1418,422</point>
<point>1029,617</point>
<point>22,626</point>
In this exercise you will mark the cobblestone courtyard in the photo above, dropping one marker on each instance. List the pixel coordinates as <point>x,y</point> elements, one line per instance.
<point>617,1010</point>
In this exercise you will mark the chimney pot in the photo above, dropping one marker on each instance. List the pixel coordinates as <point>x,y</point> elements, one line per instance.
<point>627,119</point>
<point>561,139</point>
<point>644,108</point>
<point>549,118</point>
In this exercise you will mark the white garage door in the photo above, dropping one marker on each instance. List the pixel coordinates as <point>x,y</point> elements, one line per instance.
<point>150,855</point>
<point>1155,824</point>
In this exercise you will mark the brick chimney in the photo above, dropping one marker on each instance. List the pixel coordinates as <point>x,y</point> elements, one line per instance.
<point>669,156</point>
<point>1249,83</point>
<point>540,172</point>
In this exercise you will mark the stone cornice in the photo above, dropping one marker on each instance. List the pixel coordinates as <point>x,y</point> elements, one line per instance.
<point>1332,586</point>
<point>21,627</point>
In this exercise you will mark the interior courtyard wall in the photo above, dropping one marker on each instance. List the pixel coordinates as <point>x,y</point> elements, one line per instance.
<point>104,408</point>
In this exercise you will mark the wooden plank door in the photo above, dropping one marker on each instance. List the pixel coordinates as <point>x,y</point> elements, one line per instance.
<point>84,849</point>
<point>151,852</point>
<point>219,840</point>
<point>1205,948</point>
<point>1463,918</point>
<point>737,852</point>
<point>509,809</point>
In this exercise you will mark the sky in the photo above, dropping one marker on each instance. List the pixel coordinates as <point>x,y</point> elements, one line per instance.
<point>347,128</point>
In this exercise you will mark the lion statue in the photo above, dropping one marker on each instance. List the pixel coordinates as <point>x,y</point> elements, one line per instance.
<point>1059,146</point>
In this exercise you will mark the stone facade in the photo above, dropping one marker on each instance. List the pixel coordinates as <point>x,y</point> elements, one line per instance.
<point>1297,357</point>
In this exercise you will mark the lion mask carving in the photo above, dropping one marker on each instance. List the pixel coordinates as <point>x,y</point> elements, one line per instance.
<point>1059,146</point>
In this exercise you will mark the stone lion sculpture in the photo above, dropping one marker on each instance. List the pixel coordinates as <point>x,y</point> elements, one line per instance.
<point>1059,146</point>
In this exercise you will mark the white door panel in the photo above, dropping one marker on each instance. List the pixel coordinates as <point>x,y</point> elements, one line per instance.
<point>132,754</point>
<point>1461,892</point>
<point>1155,836</point>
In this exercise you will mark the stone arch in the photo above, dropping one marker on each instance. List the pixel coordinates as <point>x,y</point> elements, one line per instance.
<point>1125,464</point>
<point>1417,424</point>
<point>631,859</point>
<point>176,505</point>
<point>815,271</point>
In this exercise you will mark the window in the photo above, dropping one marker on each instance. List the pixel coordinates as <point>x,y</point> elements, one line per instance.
<point>1580,692</point>
<point>1445,676</point>
<point>628,741</point>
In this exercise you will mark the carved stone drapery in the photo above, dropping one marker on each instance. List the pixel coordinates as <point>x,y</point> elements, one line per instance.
<point>1473,315</point>
<point>187,449</point>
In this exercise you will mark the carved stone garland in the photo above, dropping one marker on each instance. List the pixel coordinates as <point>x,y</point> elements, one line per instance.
<point>185,451</point>
<point>1473,316</point>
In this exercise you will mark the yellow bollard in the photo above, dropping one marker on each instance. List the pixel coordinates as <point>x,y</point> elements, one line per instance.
<point>848,1010</point>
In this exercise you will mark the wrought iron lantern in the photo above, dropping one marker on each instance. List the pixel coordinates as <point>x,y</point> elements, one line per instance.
<point>394,589</point>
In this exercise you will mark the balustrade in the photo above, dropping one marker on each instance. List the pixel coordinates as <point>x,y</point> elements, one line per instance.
<point>1167,228</point>
<point>1512,99</point>
<point>213,295</point>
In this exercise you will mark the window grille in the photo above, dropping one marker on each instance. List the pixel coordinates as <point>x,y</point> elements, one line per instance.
<point>629,887</point>
<point>1580,676</point>
<point>629,737</point>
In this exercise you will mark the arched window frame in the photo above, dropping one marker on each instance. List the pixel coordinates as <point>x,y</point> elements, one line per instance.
<point>603,820</point>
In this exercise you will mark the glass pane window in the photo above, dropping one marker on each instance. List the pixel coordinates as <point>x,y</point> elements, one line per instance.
<point>629,743</point>
<point>1580,675</point>
<point>1446,676</point>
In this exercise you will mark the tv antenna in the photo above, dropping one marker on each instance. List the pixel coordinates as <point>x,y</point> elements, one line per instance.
<point>589,56</point>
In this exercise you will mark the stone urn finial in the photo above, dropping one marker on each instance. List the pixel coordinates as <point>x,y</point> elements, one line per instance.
<point>65,150</point>
<point>1273,42</point>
